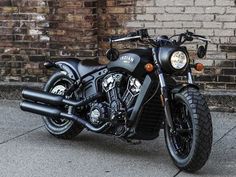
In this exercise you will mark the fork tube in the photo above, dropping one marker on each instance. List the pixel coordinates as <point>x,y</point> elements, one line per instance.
<point>190,77</point>
<point>164,91</point>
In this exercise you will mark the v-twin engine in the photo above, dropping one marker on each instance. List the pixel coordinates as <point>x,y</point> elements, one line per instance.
<point>121,92</point>
<point>113,85</point>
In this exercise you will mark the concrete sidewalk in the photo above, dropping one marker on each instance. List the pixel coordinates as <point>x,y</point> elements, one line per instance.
<point>27,150</point>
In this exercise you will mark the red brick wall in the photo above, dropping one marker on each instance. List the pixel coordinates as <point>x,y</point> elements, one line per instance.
<point>33,30</point>
<point>73,28</point>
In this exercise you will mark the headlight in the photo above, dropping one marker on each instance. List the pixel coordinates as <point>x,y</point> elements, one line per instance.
<point>178,60</point>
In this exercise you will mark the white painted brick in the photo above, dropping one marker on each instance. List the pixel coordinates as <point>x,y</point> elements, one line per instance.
<point>155,10</point>
<point>212,24</point>
<point>212,47</point>
<point>225,2</point>
<point>216,55</point>
<point>153,24</point>
<point>205,32</point>
<point>164,3</point>
<point>168,32</point>
<point>192,24</point>
<point>203,17</point>
<point>191,46</point>
<point>139,10</point>
<point>152,32</point>
<point>174,9</point>
<point>145,17</point>
<point>228,32</point>
<point>134,24</point>
<point>184,2</point>
<point>145,3</point>
<point>233,40</point>
<point>230,25</point>
<point>215,40</point>
<point>194,10</point>
<point>172,24</point>
<point>231,56</point>
<point>174,17</point>
<point>230,10</point>
<point>215,10</point>
<point>224,40</point>
<point>225,18</point>
<point>204,2</point>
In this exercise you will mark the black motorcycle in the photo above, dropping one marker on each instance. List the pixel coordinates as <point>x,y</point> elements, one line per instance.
<point>132,97</point>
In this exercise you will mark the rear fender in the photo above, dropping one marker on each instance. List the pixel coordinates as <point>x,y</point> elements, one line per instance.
<point>68,67</point>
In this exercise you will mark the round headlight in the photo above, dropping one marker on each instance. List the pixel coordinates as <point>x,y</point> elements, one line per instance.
<point>178,60</point>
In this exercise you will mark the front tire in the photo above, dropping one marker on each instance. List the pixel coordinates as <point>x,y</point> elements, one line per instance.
<point>60,128</point>
<point>190,145</point>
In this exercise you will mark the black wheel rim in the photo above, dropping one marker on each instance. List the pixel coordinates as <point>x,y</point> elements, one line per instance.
<point>181,140</point>
<point>60,122</point>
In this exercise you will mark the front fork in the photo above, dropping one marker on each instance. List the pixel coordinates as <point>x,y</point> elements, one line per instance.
<point>164,90</point>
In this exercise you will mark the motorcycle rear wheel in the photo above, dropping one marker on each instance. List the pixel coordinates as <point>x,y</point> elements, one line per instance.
<point>190,145</point>
<point>60,128</point>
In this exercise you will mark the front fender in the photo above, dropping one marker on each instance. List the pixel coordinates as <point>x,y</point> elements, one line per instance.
<point>181,87</point>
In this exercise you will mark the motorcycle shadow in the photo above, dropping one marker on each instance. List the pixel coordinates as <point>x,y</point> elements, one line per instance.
<point>114,145</point>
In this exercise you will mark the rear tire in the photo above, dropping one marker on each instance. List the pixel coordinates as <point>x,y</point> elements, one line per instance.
<point>190,146</point>
<point>60,128</point>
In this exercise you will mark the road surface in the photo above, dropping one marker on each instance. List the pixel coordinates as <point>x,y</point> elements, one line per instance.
<point>27,150</point>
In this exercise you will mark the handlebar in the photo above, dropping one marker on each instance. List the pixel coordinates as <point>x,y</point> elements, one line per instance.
<point>189,36</point>
<point>138,35</point>
<point>143,34</point>
<point>124,38</point>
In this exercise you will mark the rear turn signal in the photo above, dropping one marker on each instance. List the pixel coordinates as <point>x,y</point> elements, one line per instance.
<point>199,66</point>
<point>149,67</point>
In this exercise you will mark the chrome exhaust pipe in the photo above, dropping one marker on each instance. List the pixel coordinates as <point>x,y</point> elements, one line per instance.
<point>52,112</point>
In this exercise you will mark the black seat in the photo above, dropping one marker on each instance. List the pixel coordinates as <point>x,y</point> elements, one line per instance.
<point>87,66</point>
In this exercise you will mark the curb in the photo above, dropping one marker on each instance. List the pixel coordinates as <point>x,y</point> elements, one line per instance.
<point>12,90</point>
<point>219,101</point>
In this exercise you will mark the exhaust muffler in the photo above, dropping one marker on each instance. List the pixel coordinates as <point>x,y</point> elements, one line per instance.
<point>43,97</point>
<point>52,112</point>
<point>55,100</point>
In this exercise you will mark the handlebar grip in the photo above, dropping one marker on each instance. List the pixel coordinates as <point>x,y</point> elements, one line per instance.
<point>143,33</point>
<point>132,34</point>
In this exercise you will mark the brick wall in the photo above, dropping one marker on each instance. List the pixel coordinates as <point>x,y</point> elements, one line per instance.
<point>213,18</point>
<point>23,39</point>
<point>33,30</point>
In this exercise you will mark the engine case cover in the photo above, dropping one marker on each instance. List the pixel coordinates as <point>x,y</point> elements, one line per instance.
<point>98,114</point>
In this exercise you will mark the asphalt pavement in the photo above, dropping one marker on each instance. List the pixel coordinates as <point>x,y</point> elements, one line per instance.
<point>27,150</point>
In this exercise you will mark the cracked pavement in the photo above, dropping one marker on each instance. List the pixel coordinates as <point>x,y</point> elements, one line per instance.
<point>27,150</point>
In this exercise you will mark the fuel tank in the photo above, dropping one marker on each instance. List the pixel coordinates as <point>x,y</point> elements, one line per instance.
<point>132,62</point>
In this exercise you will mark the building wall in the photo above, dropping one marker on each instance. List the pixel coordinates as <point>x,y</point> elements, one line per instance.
<point>32,31</point>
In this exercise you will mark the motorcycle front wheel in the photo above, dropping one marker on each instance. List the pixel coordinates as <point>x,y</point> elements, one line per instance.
<point>190,144</point>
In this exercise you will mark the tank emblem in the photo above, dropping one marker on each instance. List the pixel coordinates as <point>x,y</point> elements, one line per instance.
<point>127,59</point>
